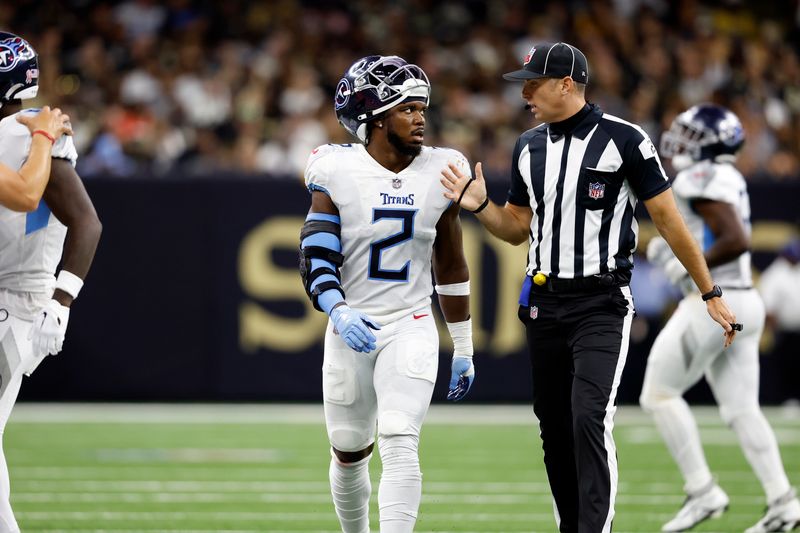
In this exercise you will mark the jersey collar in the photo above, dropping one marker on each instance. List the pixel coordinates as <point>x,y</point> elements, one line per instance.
<point>578,125</point>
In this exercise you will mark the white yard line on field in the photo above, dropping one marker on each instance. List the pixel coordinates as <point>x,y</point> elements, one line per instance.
<point>223,413</point>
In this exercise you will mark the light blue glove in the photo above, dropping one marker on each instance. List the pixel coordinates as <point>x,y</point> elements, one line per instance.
<point>461,377</point>
<point>353,326</point>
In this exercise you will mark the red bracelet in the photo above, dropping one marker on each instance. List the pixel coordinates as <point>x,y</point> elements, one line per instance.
<point>42,132</point>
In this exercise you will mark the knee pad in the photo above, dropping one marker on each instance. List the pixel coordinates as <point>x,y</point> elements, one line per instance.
<point>353,437</point>
<point>653,397</point>
<point>745,410</point>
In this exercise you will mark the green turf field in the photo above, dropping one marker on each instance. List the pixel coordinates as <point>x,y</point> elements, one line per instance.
<point>254,468</point>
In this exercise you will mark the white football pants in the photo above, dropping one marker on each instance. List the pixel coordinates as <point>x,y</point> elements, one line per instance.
<point>10,381</point>
<point>389,388</point>
<point>691,345</point>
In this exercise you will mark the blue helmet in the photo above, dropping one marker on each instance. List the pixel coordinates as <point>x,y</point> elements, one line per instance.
<point>19,68</point>
<point>704,131</point>
<point>374,84</point>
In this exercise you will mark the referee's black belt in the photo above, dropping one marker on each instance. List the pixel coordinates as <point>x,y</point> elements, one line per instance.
<point>598,282</point>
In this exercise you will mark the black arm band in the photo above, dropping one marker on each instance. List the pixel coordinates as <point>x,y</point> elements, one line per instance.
<point>319,226</point>
<point>322,287</point>
<point>312,276</point>
<point>320,252</point>
<point>482,206</point>
<point>471,179</point>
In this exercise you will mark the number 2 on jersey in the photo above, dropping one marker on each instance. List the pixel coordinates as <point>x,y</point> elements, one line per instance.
<point>406,216</point>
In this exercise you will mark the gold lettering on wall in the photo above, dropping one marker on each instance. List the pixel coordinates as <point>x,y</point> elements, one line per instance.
<point>502,334</point>
<point>262,280</point>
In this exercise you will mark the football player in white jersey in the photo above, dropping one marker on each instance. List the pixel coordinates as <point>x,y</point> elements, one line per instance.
<point>34,304</point>
<point>378,222</point>
<point>712,195</point>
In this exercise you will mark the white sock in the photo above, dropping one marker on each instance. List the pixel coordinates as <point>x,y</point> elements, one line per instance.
<point>761,450</point>
<point>678,428</point>
<point>401,483</point>
<point>351,488</point>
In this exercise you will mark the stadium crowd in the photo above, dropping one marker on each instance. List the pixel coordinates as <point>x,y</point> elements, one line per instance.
<point>199,88</point>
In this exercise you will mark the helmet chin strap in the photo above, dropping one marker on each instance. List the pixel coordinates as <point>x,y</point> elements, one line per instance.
<point>361,133</point>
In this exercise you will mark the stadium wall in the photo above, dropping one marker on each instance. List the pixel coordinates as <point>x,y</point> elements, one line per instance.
<point>194,295</point>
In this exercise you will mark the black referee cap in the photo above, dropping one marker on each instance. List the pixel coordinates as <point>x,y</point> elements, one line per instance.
<point>552,60</point>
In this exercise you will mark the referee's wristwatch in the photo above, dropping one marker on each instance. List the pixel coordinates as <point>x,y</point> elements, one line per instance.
<point>715,292</point>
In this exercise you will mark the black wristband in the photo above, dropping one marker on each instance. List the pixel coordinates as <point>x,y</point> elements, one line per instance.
<point>471,179</point>
<point>715,292</point>
<point>482,206</point>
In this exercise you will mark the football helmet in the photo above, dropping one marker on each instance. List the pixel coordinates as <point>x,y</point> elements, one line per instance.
<point>374,84</point>
<point>704,131</point>
<point>19,68</point>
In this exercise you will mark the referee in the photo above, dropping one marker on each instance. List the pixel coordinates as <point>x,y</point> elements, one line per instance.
<point>575,182</point>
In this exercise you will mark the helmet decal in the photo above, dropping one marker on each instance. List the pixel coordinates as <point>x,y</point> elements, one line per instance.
<point>342,93</point>
<point>19,68</point>
<point>12,51</point>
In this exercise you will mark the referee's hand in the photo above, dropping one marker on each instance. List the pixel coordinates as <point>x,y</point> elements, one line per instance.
<point>720,312</point>
<point>463,189</point>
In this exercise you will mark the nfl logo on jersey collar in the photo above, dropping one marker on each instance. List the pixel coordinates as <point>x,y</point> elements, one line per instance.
<point>534,312</point>
<point>397,183</point>
<point>597,190</point>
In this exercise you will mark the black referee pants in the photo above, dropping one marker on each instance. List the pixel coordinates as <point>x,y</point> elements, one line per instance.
<point>578,343</point>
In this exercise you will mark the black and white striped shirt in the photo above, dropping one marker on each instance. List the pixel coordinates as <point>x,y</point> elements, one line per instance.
<point>582,178</point>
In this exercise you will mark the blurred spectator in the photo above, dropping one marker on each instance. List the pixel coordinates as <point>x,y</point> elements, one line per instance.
<point>151,84</point>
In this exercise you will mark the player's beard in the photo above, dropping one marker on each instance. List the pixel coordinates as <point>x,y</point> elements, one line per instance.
<point>401,146</point>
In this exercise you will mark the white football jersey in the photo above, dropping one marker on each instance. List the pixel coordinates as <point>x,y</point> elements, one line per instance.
<point>388,223</point>
<point>30,243</point>
<point>720,182</point>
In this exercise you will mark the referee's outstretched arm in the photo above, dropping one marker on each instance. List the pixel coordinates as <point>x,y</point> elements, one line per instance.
<point>510,223</point>
<point>671,226</point>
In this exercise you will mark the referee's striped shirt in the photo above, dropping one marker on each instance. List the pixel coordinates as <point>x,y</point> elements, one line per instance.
<point>582,178</point>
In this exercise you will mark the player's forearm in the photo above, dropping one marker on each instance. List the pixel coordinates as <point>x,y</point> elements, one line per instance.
<point>79,249</point>
<point>80,246</point>
<point>454,308</point>
<point>36,170</point>
<point>453,277</point>
<point>504,224</point>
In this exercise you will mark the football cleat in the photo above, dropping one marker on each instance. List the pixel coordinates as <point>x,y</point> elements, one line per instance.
<point>710,503</point>
<point>782,515</point>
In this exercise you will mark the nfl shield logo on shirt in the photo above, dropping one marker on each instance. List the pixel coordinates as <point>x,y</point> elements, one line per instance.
<point>534,312</point>
<point>397,183</point>
<point>597,190</point>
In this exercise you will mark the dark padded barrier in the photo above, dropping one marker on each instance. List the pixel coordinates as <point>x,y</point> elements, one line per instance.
<point>195,295</point>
